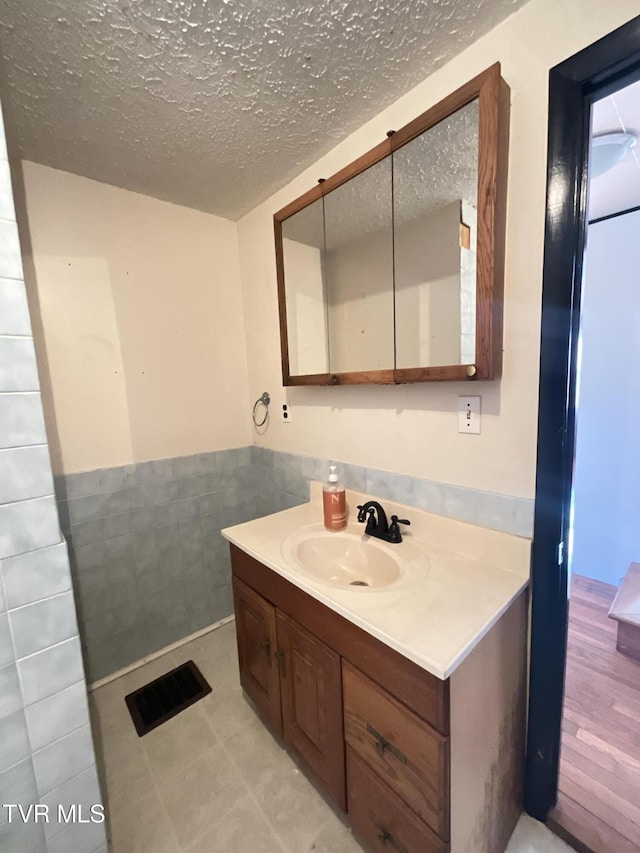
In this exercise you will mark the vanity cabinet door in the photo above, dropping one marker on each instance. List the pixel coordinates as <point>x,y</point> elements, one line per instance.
<point>311,685</point>
<point>256,632</point>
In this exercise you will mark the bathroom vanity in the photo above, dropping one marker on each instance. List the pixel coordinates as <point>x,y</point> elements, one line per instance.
<point>404,700</point>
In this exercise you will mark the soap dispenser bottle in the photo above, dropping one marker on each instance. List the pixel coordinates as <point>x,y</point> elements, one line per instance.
<point>334,502</point>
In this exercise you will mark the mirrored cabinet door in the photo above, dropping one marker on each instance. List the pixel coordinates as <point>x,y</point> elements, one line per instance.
<point>435,186</point>
<point>359,272</point>
<point>303,254</point>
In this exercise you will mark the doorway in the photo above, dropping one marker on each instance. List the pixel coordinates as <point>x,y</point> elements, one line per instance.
<point>599,773</point>
<point>575,87</point>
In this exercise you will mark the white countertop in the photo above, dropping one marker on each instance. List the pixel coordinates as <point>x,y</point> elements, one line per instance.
<point>464,578</point>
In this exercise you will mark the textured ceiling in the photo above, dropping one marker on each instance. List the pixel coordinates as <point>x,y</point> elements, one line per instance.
<point>215,104</point>
<point>618,189</point>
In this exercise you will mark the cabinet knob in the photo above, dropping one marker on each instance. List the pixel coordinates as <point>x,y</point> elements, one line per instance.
<point>279,656</point>
<point>387,838</point>
<point>265,645</point>
<point>471,370</point>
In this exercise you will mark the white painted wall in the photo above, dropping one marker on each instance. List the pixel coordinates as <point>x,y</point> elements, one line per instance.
<point>143,337</point>
<point>413,429</point>
<point>606,529</point>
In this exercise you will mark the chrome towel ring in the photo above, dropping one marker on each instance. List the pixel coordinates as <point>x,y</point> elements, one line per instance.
<point>265,399</point>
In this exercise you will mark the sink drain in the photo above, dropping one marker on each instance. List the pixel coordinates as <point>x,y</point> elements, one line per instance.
<point>358,583</point>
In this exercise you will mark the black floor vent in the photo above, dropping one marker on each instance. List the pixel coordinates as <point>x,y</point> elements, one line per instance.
<point>157,702</point>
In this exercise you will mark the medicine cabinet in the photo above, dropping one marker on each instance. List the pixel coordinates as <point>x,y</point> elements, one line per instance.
<point>391,270</point>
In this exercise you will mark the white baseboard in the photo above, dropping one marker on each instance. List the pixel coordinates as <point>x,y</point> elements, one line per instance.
<point>137,664</point>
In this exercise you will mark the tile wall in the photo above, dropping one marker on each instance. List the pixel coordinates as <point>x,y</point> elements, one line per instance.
<point>46,748</point>
<point>150,566</point>
<point>284,479</point>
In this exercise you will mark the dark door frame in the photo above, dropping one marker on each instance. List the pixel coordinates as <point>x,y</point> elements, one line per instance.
<point>596,71</point>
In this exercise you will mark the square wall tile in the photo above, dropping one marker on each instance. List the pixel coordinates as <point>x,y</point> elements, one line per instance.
<point>82,790</point>
<point>19,837</point>
<point>14,740</point>
<point>111,479</point>
<point>37,626</point>
<point>62,760</point>
<point>142,519</point>
<point>114,526</point>
<point>25,472</point>
<point>51,670</point>
<point>226,460</point>
<point>14,311</point>
<point>81,485</point>
<point>21,420</point>
<point>90,507</point>
<point>6,646</point>
<point>57,715</point>
<point>3,603</point>
<point>402,489</point>
<point>378,483</point>
<point>524,512</point>
<point>356,478</point>
<point>10,257</point>
<point>28,525</point>
<point>18,369</point>
<point>7,210</point>
<point>191,466</point>
<point>17,785</point>
<point>429,496</point>
<point>79,838</point>
<point>10,698</point>
<point>38,574</point>
<point>87,533</point>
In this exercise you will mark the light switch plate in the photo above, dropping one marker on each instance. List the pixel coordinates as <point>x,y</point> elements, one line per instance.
<point>469,415</point>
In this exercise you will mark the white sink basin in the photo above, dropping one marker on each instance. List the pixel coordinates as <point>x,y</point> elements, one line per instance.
<point>346,558</point>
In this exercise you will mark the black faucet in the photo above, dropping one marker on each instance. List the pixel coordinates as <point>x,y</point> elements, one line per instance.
<point>377,524</point>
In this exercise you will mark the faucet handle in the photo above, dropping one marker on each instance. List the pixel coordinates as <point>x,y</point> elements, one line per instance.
<point>394,528</point>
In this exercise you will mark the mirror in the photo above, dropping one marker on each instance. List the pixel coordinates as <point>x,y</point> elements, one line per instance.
<point>359,265</point>
<point>306,302</point>
<point>391,270</point>
<point>435,188</point>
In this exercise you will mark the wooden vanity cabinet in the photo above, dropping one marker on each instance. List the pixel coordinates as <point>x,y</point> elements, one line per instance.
<point>419,764</point>
<point>294,680</point>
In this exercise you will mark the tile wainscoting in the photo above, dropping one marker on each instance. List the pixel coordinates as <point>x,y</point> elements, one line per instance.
<point>150,566</point>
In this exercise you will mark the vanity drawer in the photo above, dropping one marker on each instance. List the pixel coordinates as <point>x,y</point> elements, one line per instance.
<point>381,819</point>
<point>407,754</point>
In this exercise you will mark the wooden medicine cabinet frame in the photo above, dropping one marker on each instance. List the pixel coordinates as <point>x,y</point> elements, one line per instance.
<point>493,138</point>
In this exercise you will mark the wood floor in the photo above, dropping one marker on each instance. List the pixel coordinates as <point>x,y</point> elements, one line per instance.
<point>599,797</point>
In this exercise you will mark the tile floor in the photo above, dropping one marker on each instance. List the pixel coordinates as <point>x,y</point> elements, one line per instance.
<point>212,779</point>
